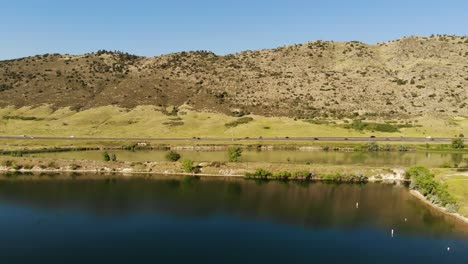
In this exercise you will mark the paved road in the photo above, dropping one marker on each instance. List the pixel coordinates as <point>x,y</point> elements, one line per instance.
<point>339,139</point>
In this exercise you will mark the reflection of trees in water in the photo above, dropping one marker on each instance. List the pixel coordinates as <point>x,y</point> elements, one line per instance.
<point>312,204</point>
<point>456,158</point>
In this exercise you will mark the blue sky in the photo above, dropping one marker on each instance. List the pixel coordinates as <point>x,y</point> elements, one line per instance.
<point>156,27</point>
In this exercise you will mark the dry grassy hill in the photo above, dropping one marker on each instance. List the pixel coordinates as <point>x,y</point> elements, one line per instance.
<point>402,78</point>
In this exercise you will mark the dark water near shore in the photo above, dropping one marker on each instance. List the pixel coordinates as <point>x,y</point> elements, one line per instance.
<point>292,156</point>
<point>185,220</point>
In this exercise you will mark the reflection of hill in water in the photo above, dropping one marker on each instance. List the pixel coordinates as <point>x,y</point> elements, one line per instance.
<point>311,205</point>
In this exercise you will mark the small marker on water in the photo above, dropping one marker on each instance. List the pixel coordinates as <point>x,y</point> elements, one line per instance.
<point>357,205</point>
<point>392,232</point>
<point>406,219</point>
<point>448,248</point>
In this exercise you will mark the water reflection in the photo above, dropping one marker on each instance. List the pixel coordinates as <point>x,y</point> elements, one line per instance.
<point>309,205</point>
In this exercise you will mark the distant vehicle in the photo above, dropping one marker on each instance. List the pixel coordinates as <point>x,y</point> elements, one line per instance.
<point>260,137</point>
<point>31,137</point>
<point>286,137</point>
<point>246,138</point>
<point>372,136</point>
<point>23,136</point>
<point>345,138</point>
<point>316,139</point>
<point>72,136</point>
<point>429,138</point>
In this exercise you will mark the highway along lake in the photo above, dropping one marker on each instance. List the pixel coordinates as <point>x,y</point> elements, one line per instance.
<point>169,219</point>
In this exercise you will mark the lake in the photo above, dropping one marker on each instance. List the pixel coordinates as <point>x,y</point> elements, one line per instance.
<point>169,219</point>
<point>292,156</point>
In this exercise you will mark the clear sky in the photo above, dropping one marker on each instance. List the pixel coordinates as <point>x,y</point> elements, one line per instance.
<point>29,27</point>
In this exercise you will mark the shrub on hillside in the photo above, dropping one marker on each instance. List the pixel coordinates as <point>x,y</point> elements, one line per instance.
<point>240,121</point>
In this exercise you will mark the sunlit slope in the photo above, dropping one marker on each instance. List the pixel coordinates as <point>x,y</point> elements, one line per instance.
<point>150,121</point>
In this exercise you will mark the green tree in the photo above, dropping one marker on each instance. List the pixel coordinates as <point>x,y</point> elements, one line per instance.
<point>234,154</point>
<point>106,156</point>
<point>458,143</point>
<point>172,156</point>
<point>187,165</point>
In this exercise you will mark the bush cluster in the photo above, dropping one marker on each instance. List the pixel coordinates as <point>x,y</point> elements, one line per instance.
<point>424,182</point>
<point>281,175</point>
<point>172,156</point>
<point>382,127</point>
<point>234,153</point>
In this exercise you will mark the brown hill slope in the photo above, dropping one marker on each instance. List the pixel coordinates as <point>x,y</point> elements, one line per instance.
<point>404,78</point>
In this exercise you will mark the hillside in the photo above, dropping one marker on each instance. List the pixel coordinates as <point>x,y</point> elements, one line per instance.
<point>405,78</point>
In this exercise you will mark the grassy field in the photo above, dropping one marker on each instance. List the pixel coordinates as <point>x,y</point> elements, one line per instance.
<point>149,121</point>
<point>458,187</point>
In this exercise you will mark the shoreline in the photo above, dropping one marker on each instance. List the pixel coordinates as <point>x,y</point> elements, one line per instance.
<point>372,179</point>
<point>441,209</point>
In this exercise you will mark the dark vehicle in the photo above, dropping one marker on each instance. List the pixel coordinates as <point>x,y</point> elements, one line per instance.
<point>372,136</point>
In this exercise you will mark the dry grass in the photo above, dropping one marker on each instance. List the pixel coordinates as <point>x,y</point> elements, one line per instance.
<point>404,78</point>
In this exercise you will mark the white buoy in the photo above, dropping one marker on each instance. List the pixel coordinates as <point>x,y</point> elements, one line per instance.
<point>448,248</point>
<point>406,219</point>
<point>392,232</point>
<point>357,205</point>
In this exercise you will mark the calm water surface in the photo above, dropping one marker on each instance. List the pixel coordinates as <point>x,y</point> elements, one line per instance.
<point>185,220</point>
<point>318,157</point>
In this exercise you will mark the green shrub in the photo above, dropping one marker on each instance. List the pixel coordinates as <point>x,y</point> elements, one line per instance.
<point>458,143</point>
<point>424,182</point>
<point>259,174</point>
<point>240,121</point>
<point>16,154</point>
<point>402,148</point>
<point>113,157</point>
<point>282,175</point>
<point>234,154</point>
<point>372,146</point>
<point>106,156</point>
<point>172,156</point>
<point>187,165</point>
